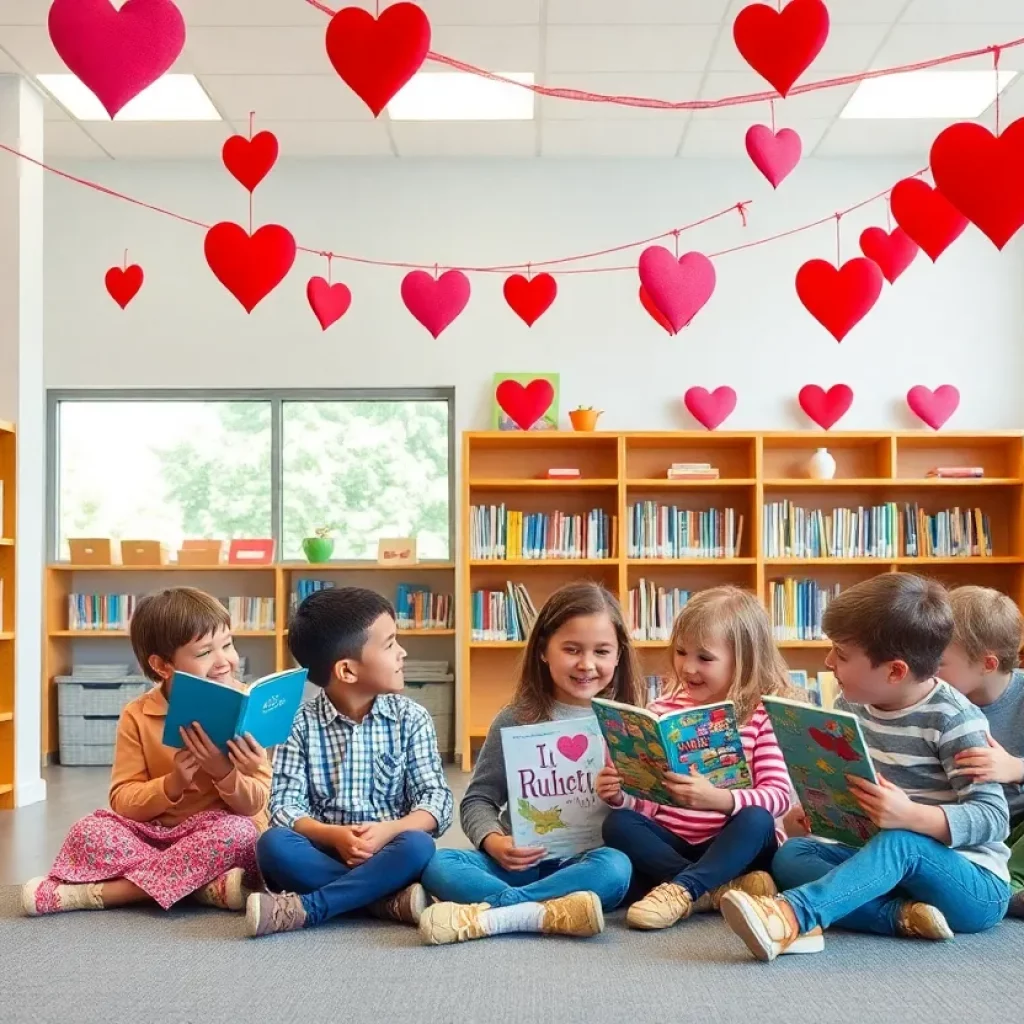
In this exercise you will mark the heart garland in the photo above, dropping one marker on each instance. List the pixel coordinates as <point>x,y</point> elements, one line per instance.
<point>435,303</point>
<point>530,298</point>
<point>524,405</point>
<point>123,284</point>
<point>893,251</point>
<point>710,408</point>
<point>250,160</point>
<point>826,408</point>
<point>656,316</point>
<point>780,45</point>
<point>774,154</point>
<point>933,407</point>
<point>926,215</point>
<point>329,302</point>
<point>679,289</point>
<point>839,299</point>
<point>249,266</point>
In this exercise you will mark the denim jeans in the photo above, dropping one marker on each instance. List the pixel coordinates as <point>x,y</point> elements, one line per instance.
<point>862,890</point>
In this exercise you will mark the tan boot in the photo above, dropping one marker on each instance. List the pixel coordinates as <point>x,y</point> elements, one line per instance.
<point>444,923</point>
<point>577,914</point>
<point>226,892</point>
<point>922,921</point>
<point>662,907</point>
<point>405,906</point>
<point>765,929</point>
<point>755,883</point>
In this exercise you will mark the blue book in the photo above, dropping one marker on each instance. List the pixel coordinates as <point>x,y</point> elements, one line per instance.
<point>265,708</point>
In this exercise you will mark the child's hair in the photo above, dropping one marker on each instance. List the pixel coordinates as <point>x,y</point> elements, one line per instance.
<point>735,617</point>
<point>332,625</point>
<point>986,621</point>
<point>534,699</point>
<point>894,617</point>
<point>167,620</point>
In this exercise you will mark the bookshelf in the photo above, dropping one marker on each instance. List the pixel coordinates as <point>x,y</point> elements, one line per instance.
<point>8,527</point>
<point>618,470</point>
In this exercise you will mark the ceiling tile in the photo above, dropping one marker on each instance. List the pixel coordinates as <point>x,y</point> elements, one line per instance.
<point>706,137</point>
<point>481,12</point>
<point>911,43</point>
<point>627,48</point>
<point>636,12</point>
<point>465,138</point>
<point>976,12</point>
<point>843,12</point>
<point>23,12</point>
<point>53,111</point>
<point>847,49</point>
<point>660,86</point>
<point>720,84</point>
<point>285,98</point>
<point>175,140</point>
<point>610,138</point>
<point>880,138</point>
<point>65,140</point>
<point>273,13</point>
<point>510,48</point>
<point>7,66</point>
<point>258,51</point>
<point>306,139</point>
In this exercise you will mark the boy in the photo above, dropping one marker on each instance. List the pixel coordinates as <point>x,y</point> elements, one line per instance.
<point>981,663</point>
<point>938,863</point>
<point>358,788</point>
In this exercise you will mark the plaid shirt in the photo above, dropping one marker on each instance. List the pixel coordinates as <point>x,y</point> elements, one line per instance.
<point>342,773</point>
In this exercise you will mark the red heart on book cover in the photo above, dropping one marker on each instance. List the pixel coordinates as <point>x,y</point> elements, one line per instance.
<point>531,297</point>
<point>839,299</point>
<point>826,408</point>
<point>893,251</point>
<point>710,408</point>
<point>780,45</point>
<point>679,288</point>
<point>435,303</point>
<point>123,285</point>
<point>774,154</point>
<point>524,405</point>
<point>837,744</point>
<point>250,160</point>
<point>926,215</point>
<point>329,302</point>
<point>573,747</point>
<point>933,407</point>
<point>249,266</point>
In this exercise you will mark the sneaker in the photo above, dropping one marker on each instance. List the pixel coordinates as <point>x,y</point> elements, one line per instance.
<point>1016,907</point>
<point>662,907</point>
<point>226,892</point>
<point>267,913</point>
<point>405,906</point>
<point>764,929</point>
<point>578,914</point>
<point>444,923</point>
<point>43,896</point>
<point>756,883</point>
<point>922,921</point>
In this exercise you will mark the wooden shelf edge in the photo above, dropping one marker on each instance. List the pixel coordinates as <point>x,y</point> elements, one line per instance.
<point>508,645</point>
<point>897,482</point>
<point>6,716</point>
<point>690,561</point>
<point>113,634</point>
<point>224,567</point>
<point>519,563</point>
<point>528,483</point>
<point>6,788</point>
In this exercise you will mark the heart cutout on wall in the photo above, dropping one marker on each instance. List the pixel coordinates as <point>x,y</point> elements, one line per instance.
<point>524,405</point>
<point>826,408</point>
<point>435,303</point>
<point>710,408</point>
<point>249,266</point>
<point>530,298</point>
<point>839,299</point>
<point>926,215</point>
<point>893,251</point>
<point>250,160</point>
<point>123,284</point>
<point>679,288</point>
<point>774,154</point>
<point>329,302</point>
<point>933,407</point>
<point>780,45</point>
<point>656,315</point>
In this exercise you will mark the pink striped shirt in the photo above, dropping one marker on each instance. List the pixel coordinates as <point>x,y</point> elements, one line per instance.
<point>771,789</point>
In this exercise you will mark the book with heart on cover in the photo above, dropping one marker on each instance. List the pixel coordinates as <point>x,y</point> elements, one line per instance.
<point>551,768</point>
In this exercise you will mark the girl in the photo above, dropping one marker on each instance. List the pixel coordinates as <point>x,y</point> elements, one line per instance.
<point>181,821</point>
<point>713,839</point>
<point>579,648</point>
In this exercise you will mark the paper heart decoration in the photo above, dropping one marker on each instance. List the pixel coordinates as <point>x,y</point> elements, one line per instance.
<point>893,251</point>
<point>530,298</point>
<point>124,284</point>
<point>573,747</point>
<point>933,407</point>
<point>329,302</point>
<point>774,154</point>
<point>839,299</point>
<point>679,288</point>
<point>250,160</point>
<point>249,266</point>
<point>982,175</point>
<point>656,315</point>
<point>826,408</point>
<point>780,45</point>
<point>926,215</point>
<point>116,53</point>
<point>524,405</point>
<point>435,303</point>
<point>710,408</point>
<point>375,57</point>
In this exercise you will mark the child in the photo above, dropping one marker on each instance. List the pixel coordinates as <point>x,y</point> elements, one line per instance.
<point>938,865</point>
<point>713,839</point>
<point>358,788</point>
<point>182,822</point>
<point>579,648</point>
<point>981,663</point>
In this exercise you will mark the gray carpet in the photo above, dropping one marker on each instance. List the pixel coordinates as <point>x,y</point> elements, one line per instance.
<point>192,966</point>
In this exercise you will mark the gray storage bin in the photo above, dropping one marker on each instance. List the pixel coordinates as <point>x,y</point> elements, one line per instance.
<point>439,700</point>
<point>88,730</point>
<point>79,756</point>
<point>75,697</point>
<point>89,710</point>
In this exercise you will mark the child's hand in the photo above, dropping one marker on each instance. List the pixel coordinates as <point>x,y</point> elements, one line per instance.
<point>211,759</point>
<point>695,792</point>
<point>885,804</point>
<point>608,786</point>
<point>796,823</point>
<point>349,845</point>
<point>990,764</point>
<point>375,835</point>
<point>510,857</point>
<point>246,754</point>
<point>185,768</point>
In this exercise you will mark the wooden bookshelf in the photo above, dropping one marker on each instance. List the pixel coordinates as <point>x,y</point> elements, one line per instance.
<point>8,531</point>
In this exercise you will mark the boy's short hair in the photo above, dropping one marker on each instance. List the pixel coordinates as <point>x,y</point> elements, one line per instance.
<point>332,625</point>
<point>986,621</point>
<point>169,619</point>
<point>894,617</point>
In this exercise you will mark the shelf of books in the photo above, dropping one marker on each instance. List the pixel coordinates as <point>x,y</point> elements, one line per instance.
<point>8,470</point>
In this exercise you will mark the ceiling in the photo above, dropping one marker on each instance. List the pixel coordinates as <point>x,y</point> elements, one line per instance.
<point>268,56</point>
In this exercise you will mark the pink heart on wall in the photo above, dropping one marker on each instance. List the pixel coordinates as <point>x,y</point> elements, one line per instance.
<point>933,407</point>
<point>573,747</point>
<point>435,304</point>
<point>773,154</point>
<point>679,288</point>
<point>710,408</point>
<point>826,408</point>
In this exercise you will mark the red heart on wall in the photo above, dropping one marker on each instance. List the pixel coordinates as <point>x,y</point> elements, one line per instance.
<point>926,215</point>
<point>839,299</point>
<point>524,405</point>
<point>679,288</point>
<point>329,302</point>
<point>933,407</point>
<point>710,408</point>
<point>780,45</point>
<point>250,160</point>
<point>893,251</point>
<point>435,303</point>
<point>531,297</point>
<point>249,266</point>
<point>645,301</point>
<point>826,408</point>
<point>123,285</point>
<point>774,154</point>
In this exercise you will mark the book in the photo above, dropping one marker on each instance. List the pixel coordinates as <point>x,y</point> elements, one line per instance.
<point>550,769</point>
<point>264,708</point>
<point>643,746</point>
<point>562,473</point>
<point>821,747</point>
<point>957,472</point>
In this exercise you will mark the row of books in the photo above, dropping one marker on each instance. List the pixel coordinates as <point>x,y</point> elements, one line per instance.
<point>797,607</point>
<point>652,610</point>
<point>820,690</point>
<point>667,531</point>
<point>100,611</point>
<point>256,614</point>
<point>502,615</point>
<point>498,532</point>
<point>418,607</point>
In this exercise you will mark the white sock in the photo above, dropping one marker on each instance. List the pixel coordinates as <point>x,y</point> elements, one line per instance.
<point>80,897</point>
<point>522,917</point>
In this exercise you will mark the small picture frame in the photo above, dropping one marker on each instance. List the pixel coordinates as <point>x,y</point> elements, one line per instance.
<point>397,551</point>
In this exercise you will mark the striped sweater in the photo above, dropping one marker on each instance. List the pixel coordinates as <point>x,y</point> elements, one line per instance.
<point>771,789</point>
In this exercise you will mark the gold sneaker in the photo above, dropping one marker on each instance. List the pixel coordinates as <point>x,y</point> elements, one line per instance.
<point>444,923</point>
<point>755,883</point>
<point>577,914</point>
<point>226,892</point>
<point>764,929</point>
<point>662,907</point>
<point>405,906</point>
<point>922,921</point>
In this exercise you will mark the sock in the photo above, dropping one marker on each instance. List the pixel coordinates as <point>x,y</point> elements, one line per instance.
<point>80,897</point>
<point>521,917</point>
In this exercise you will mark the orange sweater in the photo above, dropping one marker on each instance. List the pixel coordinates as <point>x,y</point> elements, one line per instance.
<point>142,763</point>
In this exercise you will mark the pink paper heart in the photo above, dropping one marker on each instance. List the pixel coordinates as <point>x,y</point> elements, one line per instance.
<point>826,408</point>
<point>435,303</point>
<point>710,408</point>
<point>329,302</point>
<point>573,747</point>
<point>933,407</point>
<point>679,288</point>
<point>774,155</point>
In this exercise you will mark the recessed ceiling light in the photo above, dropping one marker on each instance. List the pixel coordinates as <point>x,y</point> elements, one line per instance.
<point>169,98</point>
<point>926,94</point>
<point>458,96</point>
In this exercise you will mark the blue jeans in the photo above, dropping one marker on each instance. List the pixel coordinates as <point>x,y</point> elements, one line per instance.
<point>291,863</point>
<point>747,842</point>
<point>862,890</point>
<point>472,876</point>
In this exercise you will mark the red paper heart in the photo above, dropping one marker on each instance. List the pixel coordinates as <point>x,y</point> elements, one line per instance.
<point>530,298</point>
<point>329,302</point>
<point>250,160</point>
<point>926,215</point>
<point>710,408</point>
<point>679,288</point>
<point>933,407</point>
<point>645,301</point>
<point>774,154</point>
<point>123,285</point>
<point>375,57</point>
<point>116,53</point>
<point>249,266</point>
<point>893,251</point>
<point>982,175</point>
<point>780,45</point>
<point>839,299</point>
<point>435,303</point>
<point>826,408</point>
<point>524,405</point>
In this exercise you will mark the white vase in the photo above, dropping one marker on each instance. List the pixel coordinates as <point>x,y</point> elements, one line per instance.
<point>821,465</point>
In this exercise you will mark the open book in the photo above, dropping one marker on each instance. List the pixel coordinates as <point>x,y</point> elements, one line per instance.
<point>703,740</point>
<point>265,708</point>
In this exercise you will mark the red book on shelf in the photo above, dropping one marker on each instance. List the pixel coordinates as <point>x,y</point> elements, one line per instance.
<point>562,473</point>
<point>957,472</point>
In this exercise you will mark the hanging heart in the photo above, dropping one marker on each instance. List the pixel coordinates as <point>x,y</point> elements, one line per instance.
<point>710,408</point>
<point>329,302</point>
<point>435,303</point>
<point>839,299</point>
<point>774,154</point>
<point>124,284</point>
<point>679,288</point>
<point>933,407</point>
<point>780,45</point>
<point>249,266</point>
<point>926,215</point>
<point>530,298</point>
<point>656,315</point>
<point>116,53</point>
<point>982,175</point>
<point>893,251</point>
<point>375,57</point>
<point>826,408</point>
<point>524,405</point>
<point>250,160</point>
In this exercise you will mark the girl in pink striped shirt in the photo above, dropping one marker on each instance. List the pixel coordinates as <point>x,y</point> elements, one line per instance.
<point>711,840</point>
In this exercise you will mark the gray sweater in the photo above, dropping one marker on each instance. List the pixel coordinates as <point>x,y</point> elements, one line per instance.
<point>484,808</point>
<point>1006,723</point>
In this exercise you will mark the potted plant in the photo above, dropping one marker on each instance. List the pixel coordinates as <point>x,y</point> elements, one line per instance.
<point>584,417</point>
<point>321,547</point>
